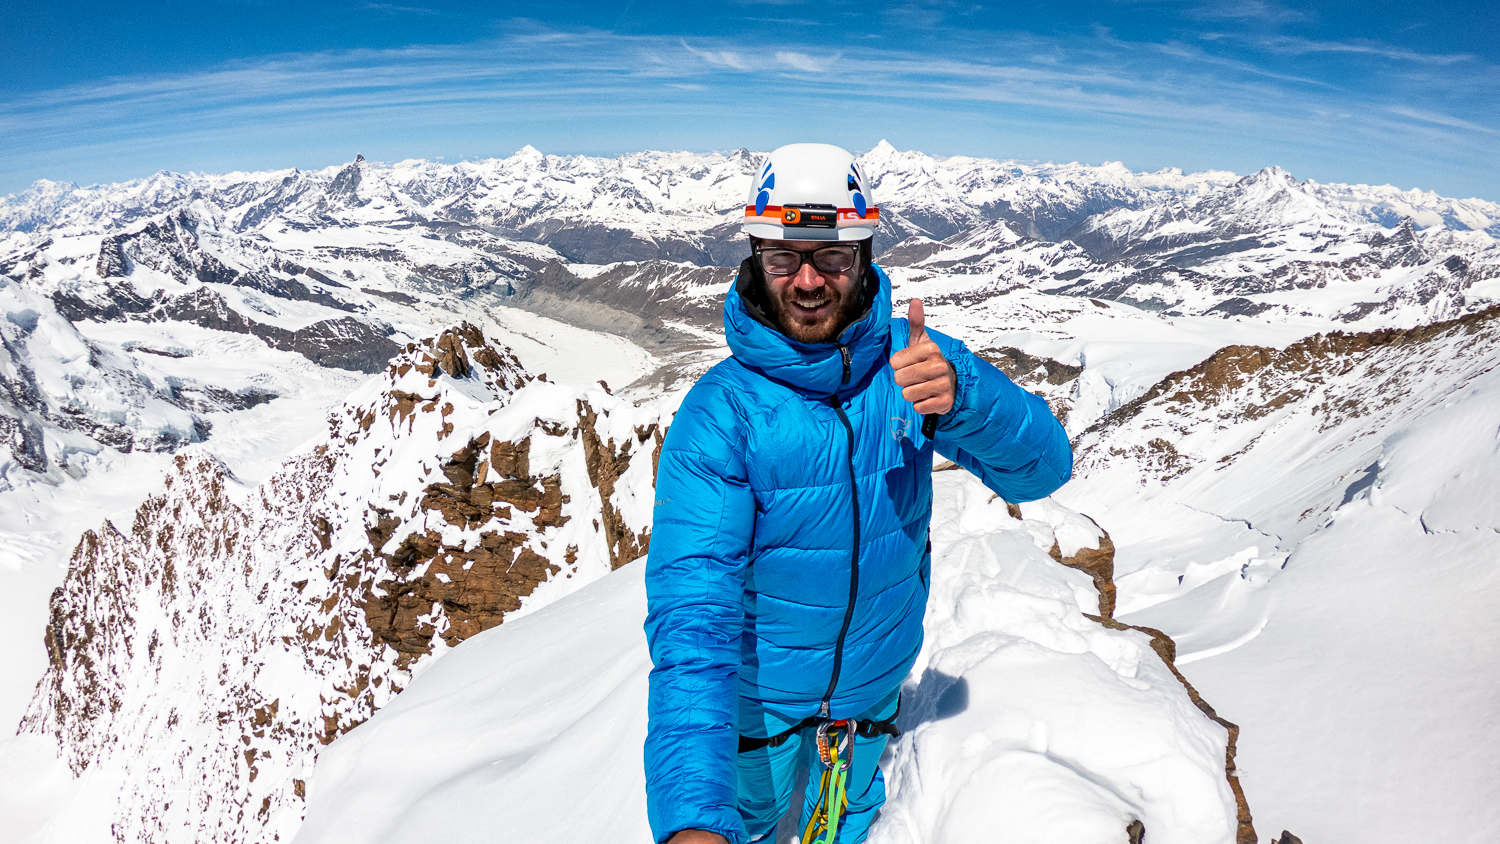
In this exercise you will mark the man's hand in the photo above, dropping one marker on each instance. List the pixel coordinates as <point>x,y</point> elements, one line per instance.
<point>926,379</point>
<point>697,836</point>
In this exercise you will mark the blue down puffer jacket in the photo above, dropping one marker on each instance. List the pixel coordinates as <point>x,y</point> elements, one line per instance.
<point>789,555</point>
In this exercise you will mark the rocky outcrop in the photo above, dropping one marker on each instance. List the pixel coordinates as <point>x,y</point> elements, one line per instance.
<point>1333,379</point>
<point>607,464</point>
<point>201,657</point>
<point>1053,380</point>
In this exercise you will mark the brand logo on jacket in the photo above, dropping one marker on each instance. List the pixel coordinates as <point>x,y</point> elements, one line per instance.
<point>900,427</point>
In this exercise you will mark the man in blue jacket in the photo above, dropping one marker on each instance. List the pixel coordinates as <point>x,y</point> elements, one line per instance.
<point>789,564</point>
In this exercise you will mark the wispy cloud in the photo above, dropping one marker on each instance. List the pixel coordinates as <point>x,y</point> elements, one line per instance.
<point>1248,10</point>
<point>595,91</point>
<point>1298,46</point>
<point>1441,120</point>
<point>410,10</point>
<point>802,61</point>
<point>720,58</point>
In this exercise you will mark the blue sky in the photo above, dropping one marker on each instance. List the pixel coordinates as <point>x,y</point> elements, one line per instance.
<point>1376,91</point>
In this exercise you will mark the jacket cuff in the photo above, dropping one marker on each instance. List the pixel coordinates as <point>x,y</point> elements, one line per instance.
<point>964,382</point>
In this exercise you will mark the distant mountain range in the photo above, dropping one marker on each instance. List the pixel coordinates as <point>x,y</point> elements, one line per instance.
<point>343,264</point>
<point>1229,352</point>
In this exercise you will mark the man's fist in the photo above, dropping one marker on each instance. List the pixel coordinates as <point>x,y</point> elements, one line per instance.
<point>697,836</point>
<point>925,378</point>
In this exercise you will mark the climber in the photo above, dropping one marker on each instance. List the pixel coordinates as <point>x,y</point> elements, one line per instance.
<point>789,562</point>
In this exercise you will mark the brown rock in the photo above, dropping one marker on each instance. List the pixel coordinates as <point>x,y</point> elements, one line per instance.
<point>1098,563</point>
<point>606,464</point>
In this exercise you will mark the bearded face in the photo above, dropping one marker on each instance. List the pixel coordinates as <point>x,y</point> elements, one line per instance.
<point>812,287</point>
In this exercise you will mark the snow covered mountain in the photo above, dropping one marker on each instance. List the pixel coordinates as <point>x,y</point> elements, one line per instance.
<point>1023,706</point>
<point>356,417</point>
<point>344,265</point>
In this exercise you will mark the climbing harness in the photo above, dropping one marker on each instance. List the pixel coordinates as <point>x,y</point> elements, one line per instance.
<point>864,729</point>
<point>835,744</point>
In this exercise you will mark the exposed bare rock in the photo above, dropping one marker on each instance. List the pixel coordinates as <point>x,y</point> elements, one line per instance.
<point>1052,380</point>
<point>1097,562</point>
<point>606,464</point>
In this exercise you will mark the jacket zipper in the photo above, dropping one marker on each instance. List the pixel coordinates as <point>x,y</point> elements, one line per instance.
<point>838,648</point>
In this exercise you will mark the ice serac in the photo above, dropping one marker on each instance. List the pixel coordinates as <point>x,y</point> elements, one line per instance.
<point>202,656</point>
<point>64,398</point>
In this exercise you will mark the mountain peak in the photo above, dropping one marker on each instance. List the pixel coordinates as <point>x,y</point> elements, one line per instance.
<point>358,158</point>
<point>47,187</point>
<point>1274,173</point>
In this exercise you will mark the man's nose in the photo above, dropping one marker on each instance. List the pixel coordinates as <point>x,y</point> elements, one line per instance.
<point>808,277</point>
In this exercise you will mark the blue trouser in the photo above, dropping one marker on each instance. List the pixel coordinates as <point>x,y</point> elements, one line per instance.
<point>768,775</point>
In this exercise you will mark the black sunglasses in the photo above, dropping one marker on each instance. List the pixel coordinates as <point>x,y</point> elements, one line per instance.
<point>830,259</point>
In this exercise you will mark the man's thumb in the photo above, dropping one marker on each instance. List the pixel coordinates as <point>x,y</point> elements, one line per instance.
<point>916,322</point>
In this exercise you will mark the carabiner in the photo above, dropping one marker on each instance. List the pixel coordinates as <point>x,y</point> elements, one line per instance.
<point>838,750</point>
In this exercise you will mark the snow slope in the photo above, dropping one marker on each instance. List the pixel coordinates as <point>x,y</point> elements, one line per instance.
<point>1316,527</point>
<point>1021,712</point>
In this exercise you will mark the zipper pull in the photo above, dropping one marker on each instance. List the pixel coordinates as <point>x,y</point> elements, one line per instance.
<point>823,709</point>
<point>844,353</point>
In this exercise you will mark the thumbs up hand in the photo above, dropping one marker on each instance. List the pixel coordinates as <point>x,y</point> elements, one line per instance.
<point>925,378</point>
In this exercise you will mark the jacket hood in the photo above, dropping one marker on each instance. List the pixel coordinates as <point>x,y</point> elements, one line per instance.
<point>815,369</point>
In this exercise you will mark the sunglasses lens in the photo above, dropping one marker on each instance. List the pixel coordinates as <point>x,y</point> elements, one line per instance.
<point>834,259</point>
<point>780,261</point>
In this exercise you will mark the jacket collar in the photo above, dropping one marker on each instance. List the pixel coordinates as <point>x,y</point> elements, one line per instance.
<point>813,369</point>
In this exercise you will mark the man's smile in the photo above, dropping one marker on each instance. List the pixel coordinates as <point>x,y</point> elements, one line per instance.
<point>812,305</point>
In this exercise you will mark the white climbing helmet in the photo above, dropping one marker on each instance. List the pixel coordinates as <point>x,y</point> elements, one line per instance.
<point>810,192</point>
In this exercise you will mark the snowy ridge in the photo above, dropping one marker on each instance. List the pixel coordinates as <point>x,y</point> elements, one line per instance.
<point>1102,734</point>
